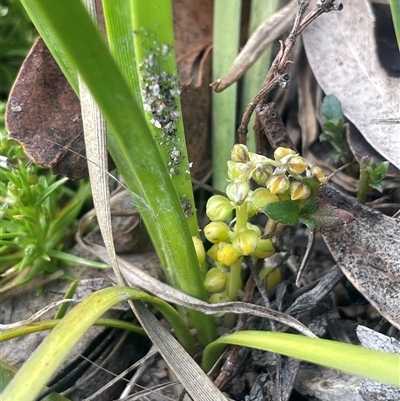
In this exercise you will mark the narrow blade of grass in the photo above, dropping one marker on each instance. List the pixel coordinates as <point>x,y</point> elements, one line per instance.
<point>35,372</point>
<point>158,80</point>
<point>353,359</point>
<point>224,113</point>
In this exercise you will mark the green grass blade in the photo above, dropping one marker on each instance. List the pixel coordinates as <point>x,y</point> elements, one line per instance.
<point>7,372</point>
<point>50,324</point>
<point>152,47</point>
<point>395,10</point>
<point>35,372</point>
<point>118,19</point>
<point>227,16</point>
<point>353,359</point>
<point>75,260</point>
<point>51,41</point>
<point>47,192</point>
<point>254,78</point>
<point>63,308</point>
<point>131,144</point>
<point>158,80</point>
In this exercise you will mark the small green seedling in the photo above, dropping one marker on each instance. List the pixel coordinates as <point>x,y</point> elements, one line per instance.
<point>334,130</point>
<point>371,176</point>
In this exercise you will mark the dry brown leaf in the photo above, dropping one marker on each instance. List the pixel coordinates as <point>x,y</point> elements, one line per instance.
<point>43,114</point>
<point>341,50</point>
<point>368,252</point>
<point>310,95</point>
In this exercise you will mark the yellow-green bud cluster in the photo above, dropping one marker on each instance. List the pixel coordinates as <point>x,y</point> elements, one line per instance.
<point>283,175</point>
<point>287,176</point>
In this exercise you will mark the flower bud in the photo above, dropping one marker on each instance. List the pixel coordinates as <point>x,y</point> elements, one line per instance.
<point>297,165</point>
<point>218,208</point>
<point>237,192</point>
<point>215,280</point>
<point>216,231</point>
<point>255,228</point>
<point>261,197</point>
<point>319,174</point>
<point>240,153</point>
<point>226,254</point>
<point>245,242</point>
<point>298,190</point>
<point>213,252</point>
<point>261,174</point>
<point>260,160</point>
<point>273,277</point>
<point>282,152</point>
<point>278,184</point>
<point>238,171</point>
<point>251,211</point>
<point>219,297</point>
<point>199,248</point>
<point>265,249</point>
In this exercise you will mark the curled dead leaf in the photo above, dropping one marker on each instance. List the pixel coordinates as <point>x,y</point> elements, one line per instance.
<point>43,114</point>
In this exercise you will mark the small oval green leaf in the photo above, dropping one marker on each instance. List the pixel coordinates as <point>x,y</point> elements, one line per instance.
<point>286,212</point>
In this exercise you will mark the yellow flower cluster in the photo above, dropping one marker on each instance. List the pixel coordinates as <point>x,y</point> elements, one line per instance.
<point>285,173</point>
<point>283,178</point>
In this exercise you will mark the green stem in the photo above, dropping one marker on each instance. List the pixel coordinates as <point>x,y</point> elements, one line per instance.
<point>363,187</point>
<point>241,217</point>
<point>235,280</point>
<point>50,324</point>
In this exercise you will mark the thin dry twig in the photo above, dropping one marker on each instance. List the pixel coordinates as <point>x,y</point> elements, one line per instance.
<point>120,376</point>
<point>278,79</point>
<point>35,316</point>
<point>307,255</point>
<point>268,32</point>
<point>153,351</point>
<point>277,73</point>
